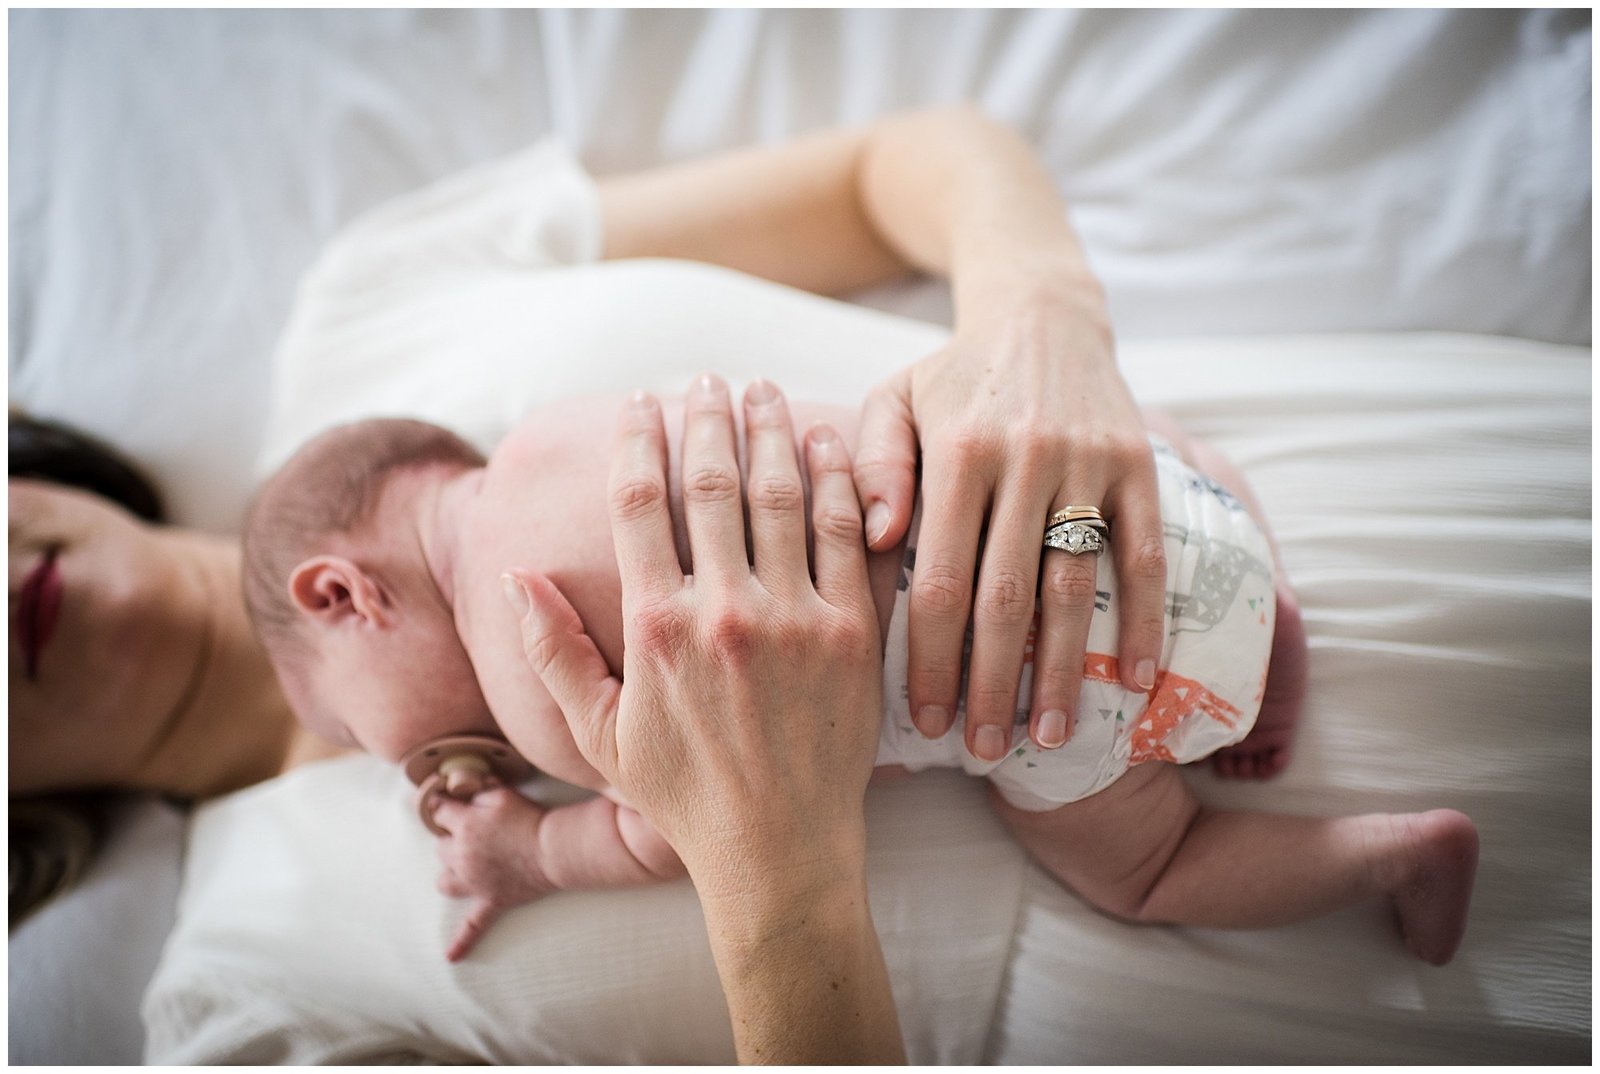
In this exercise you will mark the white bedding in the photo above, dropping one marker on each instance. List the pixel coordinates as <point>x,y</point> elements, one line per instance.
<point>1444,672</point>
<point>1231,173</point>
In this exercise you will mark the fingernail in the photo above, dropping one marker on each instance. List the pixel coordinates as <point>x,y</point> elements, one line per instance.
<point>1052,728</point>
<point>989,743</point>
<point>708,384</point>
<point>1145,674</point>
<point>823,434</point>
<point>641,400</point>
<point>515,594</point>
<point>877,521</point>
<point>933,720</point>
<point>761,393</point>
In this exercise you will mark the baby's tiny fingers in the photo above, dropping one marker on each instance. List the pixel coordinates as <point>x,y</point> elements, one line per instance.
<point>477,922</point>
<point>493,798</point>
<point>448,814</point>
<point>451,885</point>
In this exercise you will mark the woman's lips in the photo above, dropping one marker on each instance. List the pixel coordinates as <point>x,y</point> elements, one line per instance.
<point>38,608</point>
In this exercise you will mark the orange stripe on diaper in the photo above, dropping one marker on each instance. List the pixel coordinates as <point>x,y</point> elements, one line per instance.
<point>1101,667</point>
<point>1173,700</point>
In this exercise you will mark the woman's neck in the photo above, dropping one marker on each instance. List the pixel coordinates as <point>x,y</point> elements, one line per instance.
<point>232,726</point>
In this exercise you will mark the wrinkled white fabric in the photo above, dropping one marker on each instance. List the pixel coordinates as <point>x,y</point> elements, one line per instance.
<point>310,931</point>
<point>1431,498</point>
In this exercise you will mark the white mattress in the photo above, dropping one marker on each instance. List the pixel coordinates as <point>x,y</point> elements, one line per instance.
<point>172,173</point>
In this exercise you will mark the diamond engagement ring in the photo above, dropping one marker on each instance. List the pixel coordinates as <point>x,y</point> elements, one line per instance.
<point>1090,516</point>
<point>1076,538</point>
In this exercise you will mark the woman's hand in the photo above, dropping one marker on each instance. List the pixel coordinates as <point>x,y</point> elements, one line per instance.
<point>741,686</point>
<point>1024,412</point>
<point>746,720</point>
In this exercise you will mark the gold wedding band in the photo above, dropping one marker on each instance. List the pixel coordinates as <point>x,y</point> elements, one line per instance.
<point>1089,516</point>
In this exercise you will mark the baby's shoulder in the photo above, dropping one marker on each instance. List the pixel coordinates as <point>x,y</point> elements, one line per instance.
<point>580,419</point>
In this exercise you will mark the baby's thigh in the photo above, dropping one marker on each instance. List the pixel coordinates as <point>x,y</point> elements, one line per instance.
<point>889,773</point>
<point>1206,459</point>
<point>1112,846</point>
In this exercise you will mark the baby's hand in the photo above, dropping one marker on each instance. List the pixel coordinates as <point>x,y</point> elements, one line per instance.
<point>490,856</point>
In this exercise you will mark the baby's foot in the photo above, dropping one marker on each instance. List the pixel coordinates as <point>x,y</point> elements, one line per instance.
<point>1431,900</point>
<point>1265,750</point>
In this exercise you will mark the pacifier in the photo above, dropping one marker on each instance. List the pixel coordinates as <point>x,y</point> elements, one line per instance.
<point>459,767</point>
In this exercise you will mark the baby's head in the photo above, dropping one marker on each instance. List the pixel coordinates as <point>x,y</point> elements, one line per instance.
<point>341,594</point>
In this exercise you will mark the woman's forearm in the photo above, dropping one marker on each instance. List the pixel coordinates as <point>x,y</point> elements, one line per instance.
<point>948,191</point>
<point>959,195</point>
<point>804,973</point>
<point>790,213</point>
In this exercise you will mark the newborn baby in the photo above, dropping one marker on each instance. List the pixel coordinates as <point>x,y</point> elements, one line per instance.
<point>373,564</point>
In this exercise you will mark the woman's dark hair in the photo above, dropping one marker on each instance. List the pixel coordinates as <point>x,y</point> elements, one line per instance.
<point>54,837</point>
<point>50,451</point>
<point>52,840</point>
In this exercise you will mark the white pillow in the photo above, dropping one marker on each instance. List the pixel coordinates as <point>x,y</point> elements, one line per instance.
<point>310,931</point>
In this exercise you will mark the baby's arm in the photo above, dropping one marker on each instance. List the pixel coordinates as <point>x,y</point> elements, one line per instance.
<point>504,850</point>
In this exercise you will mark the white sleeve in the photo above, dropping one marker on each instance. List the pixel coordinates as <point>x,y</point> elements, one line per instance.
<point>423,283</point>
<point>535,209</point>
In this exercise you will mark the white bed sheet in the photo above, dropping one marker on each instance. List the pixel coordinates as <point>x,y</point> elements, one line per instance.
<point>172,173</point>
<point>72,1006</point>
<point>1431,495</point>
<point>1443,673</point>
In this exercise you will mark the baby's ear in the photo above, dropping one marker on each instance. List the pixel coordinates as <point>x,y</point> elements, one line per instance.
<point>333,590</point>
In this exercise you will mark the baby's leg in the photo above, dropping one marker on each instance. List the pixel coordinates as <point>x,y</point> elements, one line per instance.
<point>1145,850</point>
<point>1265,750</point>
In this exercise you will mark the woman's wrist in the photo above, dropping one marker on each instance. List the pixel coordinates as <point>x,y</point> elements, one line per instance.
<point>820,950</point>
<point>764,907</point>
<point>1050,284</point>
<point>755,878</point>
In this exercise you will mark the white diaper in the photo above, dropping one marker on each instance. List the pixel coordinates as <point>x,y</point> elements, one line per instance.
<point>1219,622</point>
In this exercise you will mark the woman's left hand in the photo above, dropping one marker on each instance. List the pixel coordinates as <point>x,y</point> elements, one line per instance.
<point>1022,413</point>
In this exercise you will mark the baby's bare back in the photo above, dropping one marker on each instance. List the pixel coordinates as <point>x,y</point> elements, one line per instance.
<point>542,505</point>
